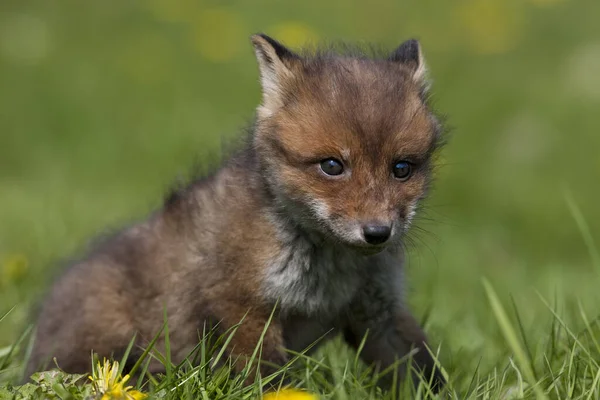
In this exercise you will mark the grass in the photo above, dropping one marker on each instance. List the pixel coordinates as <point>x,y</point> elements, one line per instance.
<point>557,359</point>
<point>103,106</point>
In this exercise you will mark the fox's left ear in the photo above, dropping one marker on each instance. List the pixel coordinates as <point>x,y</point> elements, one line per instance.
<point>276,63</point>
<point>409,53</point>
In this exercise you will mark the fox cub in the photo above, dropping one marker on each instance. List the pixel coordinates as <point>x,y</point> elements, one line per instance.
<point>307,219</point>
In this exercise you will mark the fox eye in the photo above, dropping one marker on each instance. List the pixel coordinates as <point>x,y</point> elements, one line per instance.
<point>332,167</point>
<point>402,170</point>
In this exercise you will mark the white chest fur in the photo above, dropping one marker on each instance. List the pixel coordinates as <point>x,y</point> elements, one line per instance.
<point>314,280</point>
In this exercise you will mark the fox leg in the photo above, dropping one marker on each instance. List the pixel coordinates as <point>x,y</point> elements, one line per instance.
<point>392,333</point>
<point>392,339</point>
<point>247,337</point>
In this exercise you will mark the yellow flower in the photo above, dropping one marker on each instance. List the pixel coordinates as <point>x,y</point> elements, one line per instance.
<point>491,27</point>
<point>290,394</point>
<point>108,384</point>
<point>14,268</point>
<point>218,34</point>
<point>294,34</point>
<point>546,3</point>
<point>174,11</point>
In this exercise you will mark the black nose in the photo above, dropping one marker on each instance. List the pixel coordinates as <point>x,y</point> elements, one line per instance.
<point>376,234</point>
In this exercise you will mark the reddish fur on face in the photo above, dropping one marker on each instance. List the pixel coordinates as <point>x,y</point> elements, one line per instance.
<point>367,113</point>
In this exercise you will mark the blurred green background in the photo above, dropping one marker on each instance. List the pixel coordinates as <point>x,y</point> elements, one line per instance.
<point>103,104</point>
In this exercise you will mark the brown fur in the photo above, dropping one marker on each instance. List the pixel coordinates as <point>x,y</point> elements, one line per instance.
<point>269,223</point>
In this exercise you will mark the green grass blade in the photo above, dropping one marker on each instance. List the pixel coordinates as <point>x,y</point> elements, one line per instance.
<point>7,313</point>
<point>146,351</point>
<point>584,229</point>
<point>568,330</point>
<point>169,365</point>
<point>512,339</point>
<point>524,337</point>
<point>13,347</point>
<point>588,326</point>
<point>126,354</point>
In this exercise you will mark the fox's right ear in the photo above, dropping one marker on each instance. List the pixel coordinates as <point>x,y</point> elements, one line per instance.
<point>275,62</point>
<point>410,54</point>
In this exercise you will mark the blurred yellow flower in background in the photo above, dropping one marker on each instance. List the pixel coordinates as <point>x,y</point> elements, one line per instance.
<point>290,394</point>
<point>218,34</point>
<point>490,27</point>
<point>546,3</point>
<point>174,11</point>
<point>14,268</point>
<point>294,34</point>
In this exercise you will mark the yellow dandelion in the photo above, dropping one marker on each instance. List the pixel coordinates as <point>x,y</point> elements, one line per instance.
<point>546,3</point>
<point>218,34</point>
<point>290,394</point>
<point>174,11</point>
<point>14,268</point>
<point>294,34</point>
<point>491,27</point>
<point>108,384</point>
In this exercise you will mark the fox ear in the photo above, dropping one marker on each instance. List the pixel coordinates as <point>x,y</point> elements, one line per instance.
<point>275,62</point>
<point>409,53</point>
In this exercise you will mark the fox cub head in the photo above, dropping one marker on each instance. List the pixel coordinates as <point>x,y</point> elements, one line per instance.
<point>345,142</point>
